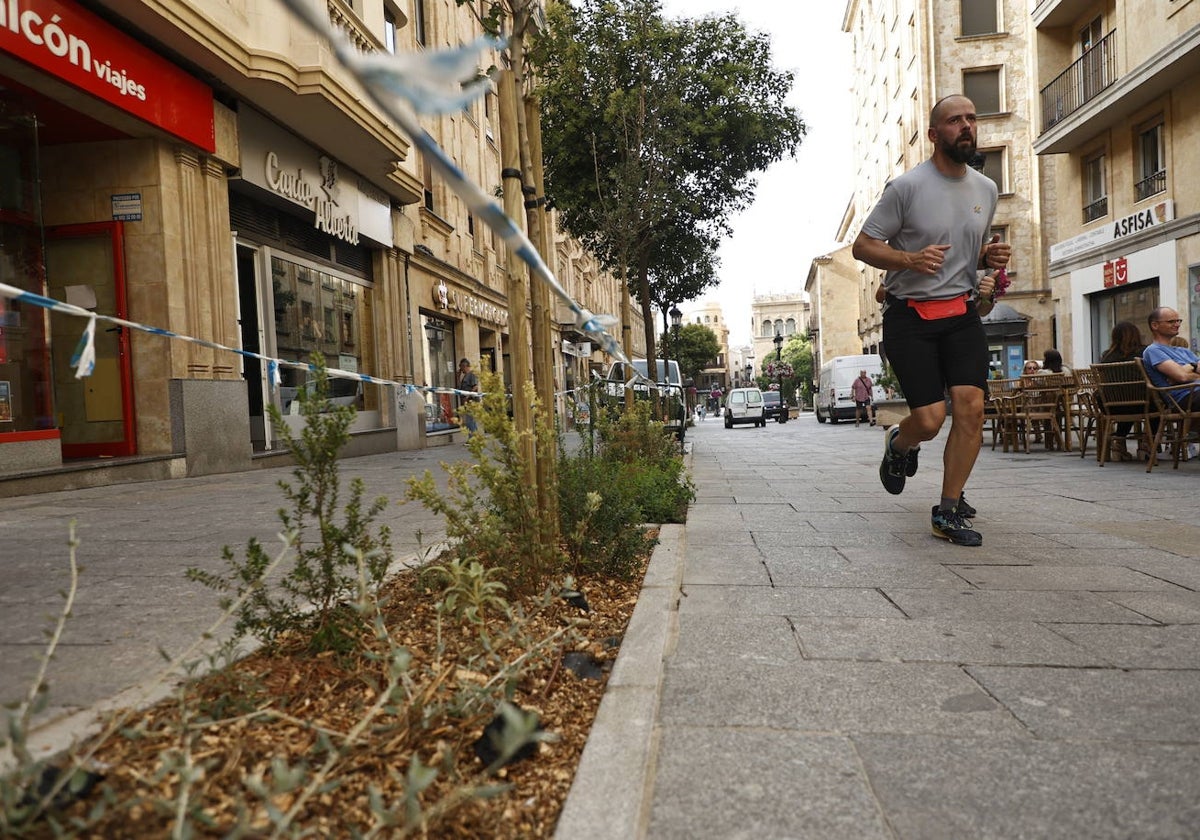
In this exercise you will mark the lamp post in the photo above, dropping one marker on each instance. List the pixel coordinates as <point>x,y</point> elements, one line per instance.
<point>749,374</point>
<point>676,321</point>
<point>778,342</point>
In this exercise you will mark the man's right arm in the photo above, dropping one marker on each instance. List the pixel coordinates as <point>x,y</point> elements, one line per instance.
<point>879,254</point>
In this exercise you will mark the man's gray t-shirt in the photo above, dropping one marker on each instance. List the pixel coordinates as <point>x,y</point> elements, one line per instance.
<point>923,207</point>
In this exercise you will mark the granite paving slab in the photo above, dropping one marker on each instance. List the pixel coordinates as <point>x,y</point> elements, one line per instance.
<point>937,788</point>
<point>1138,646</point>
<point>937,640</point>
<point>748,784</point>
<point>1061,578</point>
<point>759,600</point>
<point>834,697</point>
<point>1001,605</point>
<point>743,640</point>
<point>1166,607</point>
<point>1109,704</point>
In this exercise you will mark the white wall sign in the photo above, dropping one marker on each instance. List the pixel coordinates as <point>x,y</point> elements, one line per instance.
<point>1160,213</point>
<point>342,205</point>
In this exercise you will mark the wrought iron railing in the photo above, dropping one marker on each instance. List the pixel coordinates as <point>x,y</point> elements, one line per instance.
<point>1095,210</point>
<point>1095,70</point>
<point>1151,185</point>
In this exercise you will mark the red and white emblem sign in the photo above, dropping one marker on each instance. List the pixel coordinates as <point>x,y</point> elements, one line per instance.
<point>1121,270</point>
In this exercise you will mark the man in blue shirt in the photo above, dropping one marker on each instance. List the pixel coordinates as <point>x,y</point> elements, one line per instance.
<point>1167,365</point>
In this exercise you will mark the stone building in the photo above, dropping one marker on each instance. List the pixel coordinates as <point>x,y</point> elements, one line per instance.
<point>718,373</point>
<point>771,315</point>
<point>1119,110</point>
<point>907,55</point>
<point>222,176</point>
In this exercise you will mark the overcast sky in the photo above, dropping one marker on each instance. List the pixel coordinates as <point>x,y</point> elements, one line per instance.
<point>799,202</point>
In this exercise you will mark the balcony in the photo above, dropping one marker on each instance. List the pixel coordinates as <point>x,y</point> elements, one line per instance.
<point>1093,73</point>
<point>1093,102</point>
<point>1095,210</point>
<point>1151,185</point>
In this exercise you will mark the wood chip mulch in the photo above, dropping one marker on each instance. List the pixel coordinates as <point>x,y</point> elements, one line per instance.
<point>270,713</point>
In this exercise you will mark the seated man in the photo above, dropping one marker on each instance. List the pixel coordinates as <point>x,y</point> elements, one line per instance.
<point>1167,365</point>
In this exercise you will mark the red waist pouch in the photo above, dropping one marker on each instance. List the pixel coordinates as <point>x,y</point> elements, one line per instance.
<point>935,310</point>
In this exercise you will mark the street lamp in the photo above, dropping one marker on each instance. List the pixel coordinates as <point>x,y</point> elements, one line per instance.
<point>778,342</point>
<point>749,373</point>
<point>676,320</point>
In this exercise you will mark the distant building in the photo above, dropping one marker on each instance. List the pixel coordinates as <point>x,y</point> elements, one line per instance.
<point>908,54</point>
<point>782,314</point>
<point>717,373</point>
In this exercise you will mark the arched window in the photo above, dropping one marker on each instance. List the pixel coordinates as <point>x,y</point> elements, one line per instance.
<point>779,325</point>
<point>766,330</point>
<point>791,326</point>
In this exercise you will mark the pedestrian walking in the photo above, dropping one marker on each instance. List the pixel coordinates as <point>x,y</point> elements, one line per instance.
<point>861,389</point>
<point>930,234</point>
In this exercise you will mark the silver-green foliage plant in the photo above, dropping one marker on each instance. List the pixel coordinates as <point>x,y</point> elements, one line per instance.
<point>314,597</point>
<point>491,514</point>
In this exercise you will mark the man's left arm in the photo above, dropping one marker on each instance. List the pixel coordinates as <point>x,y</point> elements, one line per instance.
<point>1177,372</point>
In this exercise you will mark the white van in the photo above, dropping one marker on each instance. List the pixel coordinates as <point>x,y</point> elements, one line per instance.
<point>744,405</point>
<point>834,400</point>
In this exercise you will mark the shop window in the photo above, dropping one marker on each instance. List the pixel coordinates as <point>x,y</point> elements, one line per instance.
<point>1095,188</point>
<point>980,17</point>
<point>317,311</point>
<point>440,365</point>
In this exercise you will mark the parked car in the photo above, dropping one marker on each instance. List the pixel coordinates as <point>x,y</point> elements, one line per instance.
<point>744,405</point>
<point>774,406</point>
<point>670,383</point>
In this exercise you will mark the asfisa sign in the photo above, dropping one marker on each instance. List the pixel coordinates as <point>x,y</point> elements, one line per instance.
<point>1159,214</point>
<point>127,207</point>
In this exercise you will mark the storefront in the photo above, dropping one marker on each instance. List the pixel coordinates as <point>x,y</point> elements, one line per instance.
<point>85,112</point>
<point>1129,267</point>
<point>455,324</point>
<point>308,236</point>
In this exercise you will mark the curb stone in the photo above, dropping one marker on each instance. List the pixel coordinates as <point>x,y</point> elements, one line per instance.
<point>610,795</point>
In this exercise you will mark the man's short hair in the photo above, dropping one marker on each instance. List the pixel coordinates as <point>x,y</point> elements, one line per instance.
<point>1156,314</point>
<point>935,112</point>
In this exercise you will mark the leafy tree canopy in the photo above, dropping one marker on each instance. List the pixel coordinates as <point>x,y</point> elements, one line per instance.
<point>654,129</point>
<point>697,348</point>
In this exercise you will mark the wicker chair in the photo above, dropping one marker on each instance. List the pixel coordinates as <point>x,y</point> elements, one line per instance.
<point>1121,397</point>
<point>1003,396</point>
<point>1176,419</point>
<point>1085,407</point>
<point>1040,406</point>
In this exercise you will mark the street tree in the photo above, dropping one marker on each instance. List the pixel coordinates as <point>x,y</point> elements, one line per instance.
<point>653,132</point>
<point>695,348</point>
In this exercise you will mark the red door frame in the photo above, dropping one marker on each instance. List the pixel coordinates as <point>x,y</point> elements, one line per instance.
<point>128,445</point>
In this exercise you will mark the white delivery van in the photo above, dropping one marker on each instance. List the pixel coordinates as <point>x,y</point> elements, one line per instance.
<point>834,400</point>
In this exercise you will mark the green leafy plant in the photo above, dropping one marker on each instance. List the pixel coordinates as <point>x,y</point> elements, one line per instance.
<point>314,597</point>
<point>491,513</point>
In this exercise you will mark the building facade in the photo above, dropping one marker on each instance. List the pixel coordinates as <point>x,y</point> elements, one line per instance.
<point>718,373</point>
<point>1118,112</point>
<point>908,54</point>
<point>772,315</point>
<point>220,176</point>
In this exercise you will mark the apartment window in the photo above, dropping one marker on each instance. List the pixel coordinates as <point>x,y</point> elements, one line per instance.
<point>980,17</point>
<point>427,178</point>
<point>389,29</point>
<point>983,88</point>
<point>1151,166</point>
<point>1095,188</point>
<point>418,21</point>
<point>1090,35</point>
<point>993,166</point>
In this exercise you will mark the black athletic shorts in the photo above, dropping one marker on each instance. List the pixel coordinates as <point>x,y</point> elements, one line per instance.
<point>930,356</point>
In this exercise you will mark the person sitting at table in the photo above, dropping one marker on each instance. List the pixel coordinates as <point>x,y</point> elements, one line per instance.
<point>1168,365</point>
<point>1031,367</point>
<point>1127,345</point>
<point>1052,363</point>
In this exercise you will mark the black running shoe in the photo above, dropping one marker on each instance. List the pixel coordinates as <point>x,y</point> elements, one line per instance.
<point>893,469</point>
<point>910,461</point>
<point>952,525</point>
<point>964,507</point>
